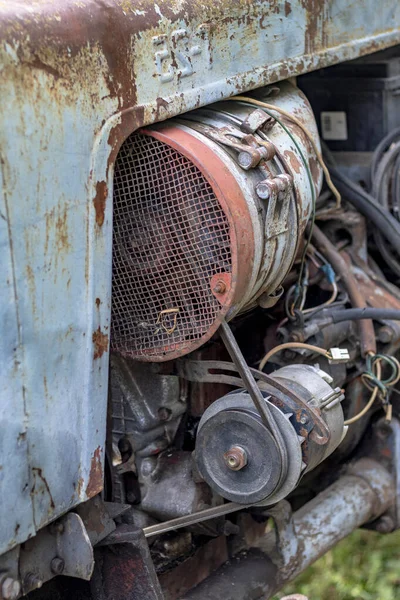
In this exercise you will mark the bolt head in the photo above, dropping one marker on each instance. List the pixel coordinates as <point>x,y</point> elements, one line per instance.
<point>385,334</point>
<point>303,419</point>
<point>57,565</point>
<point>220,287</point>
<point>263,190</point>
<point>32,581</point>
<point>10,588</point>
<point>56,527</point>
<point>245,160</point>
<point>235,458</point>
<point>164,413</point>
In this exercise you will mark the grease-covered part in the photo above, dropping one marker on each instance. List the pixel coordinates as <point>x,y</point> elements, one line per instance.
<point>193,240</point>
<point>233,422</point>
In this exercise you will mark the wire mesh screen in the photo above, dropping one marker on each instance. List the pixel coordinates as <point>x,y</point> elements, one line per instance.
<point>170,237</point>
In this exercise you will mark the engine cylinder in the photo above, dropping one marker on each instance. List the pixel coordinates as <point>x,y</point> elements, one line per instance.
<point>208,213</point>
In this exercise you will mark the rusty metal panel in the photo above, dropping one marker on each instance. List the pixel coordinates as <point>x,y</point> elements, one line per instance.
<point>76,79</point>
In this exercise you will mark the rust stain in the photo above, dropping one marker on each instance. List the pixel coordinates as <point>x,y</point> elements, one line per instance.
<point>288,9</point>
<point>79,486</point>
<point>100,341</point>
<point>293,160</point>
<point>315,35</point>
<point>46,485</point>
<point>61,231</point>
<point>98,302</point>
<point>99,201</point>
<point>95,484</point>
<point>314,168</point>
<point>161,103</point>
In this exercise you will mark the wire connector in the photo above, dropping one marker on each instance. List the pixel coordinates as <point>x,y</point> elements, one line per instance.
<point>338,355</point>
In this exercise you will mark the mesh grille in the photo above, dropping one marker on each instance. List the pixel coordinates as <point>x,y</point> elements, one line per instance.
<point>170,237</point>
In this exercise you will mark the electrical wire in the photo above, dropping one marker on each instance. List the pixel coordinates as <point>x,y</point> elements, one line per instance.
<point>326,303</point>
<point>372,379</point>
<point>312,309</point>
<point>385,188</point>
<point>292,345</point>
<point>381,148</point>
<point>370,402</point>
<point>364,202</point>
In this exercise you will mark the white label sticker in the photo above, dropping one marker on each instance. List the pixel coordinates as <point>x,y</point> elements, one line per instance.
<point>334,125</point>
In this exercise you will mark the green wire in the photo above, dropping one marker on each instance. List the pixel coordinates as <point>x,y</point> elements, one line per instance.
<point>313,195</point>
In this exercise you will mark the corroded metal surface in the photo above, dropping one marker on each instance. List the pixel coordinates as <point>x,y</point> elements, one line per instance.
<point>77,78</point>
<point>361,495</point>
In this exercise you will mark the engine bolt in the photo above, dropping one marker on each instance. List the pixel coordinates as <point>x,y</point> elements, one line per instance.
<point>385,334</point>
<point>57,565</point>
<point>164,413</point>
<point>56,527</point>
<point>32,581</point>
<point>235,458</point>
<point>10,588</point>
<point>220,287</point>
<point>303,419</point>
<point>263,190</point>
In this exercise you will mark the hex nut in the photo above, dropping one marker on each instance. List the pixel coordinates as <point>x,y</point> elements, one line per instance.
<point>32,581</point>
<point>303,419</point>
<point>235,458</point>
<point>10,588</point>
<point>57,565</point>
<point>263,190</point>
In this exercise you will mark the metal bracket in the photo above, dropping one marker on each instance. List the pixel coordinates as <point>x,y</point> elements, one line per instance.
<point>124,568</point>
<point>286,540</point>
<point>205,371</point>
<point>250,150</point>
<point>63,548</point>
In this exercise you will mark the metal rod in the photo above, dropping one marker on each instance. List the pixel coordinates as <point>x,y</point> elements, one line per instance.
<point>197,517</point>
<point>361,495</point>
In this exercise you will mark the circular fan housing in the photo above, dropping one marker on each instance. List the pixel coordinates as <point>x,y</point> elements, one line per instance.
<point>183,244</point>
<point>195,241</point>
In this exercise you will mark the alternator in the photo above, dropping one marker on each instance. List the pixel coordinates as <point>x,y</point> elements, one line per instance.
<point>237,455</point>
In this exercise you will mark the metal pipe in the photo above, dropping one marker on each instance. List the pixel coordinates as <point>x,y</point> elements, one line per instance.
<point>360,496</point>
<point>366,327</point>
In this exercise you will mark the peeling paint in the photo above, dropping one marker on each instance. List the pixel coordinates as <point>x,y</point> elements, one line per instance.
<point>95,483</point>
<point>100,201</point>
<point>100,343</point>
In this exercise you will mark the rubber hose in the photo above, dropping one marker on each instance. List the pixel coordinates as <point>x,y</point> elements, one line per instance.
<point>368,206</point>
<point>357,314</point>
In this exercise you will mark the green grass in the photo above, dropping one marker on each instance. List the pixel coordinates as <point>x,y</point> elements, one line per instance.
<point>365,566</point>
